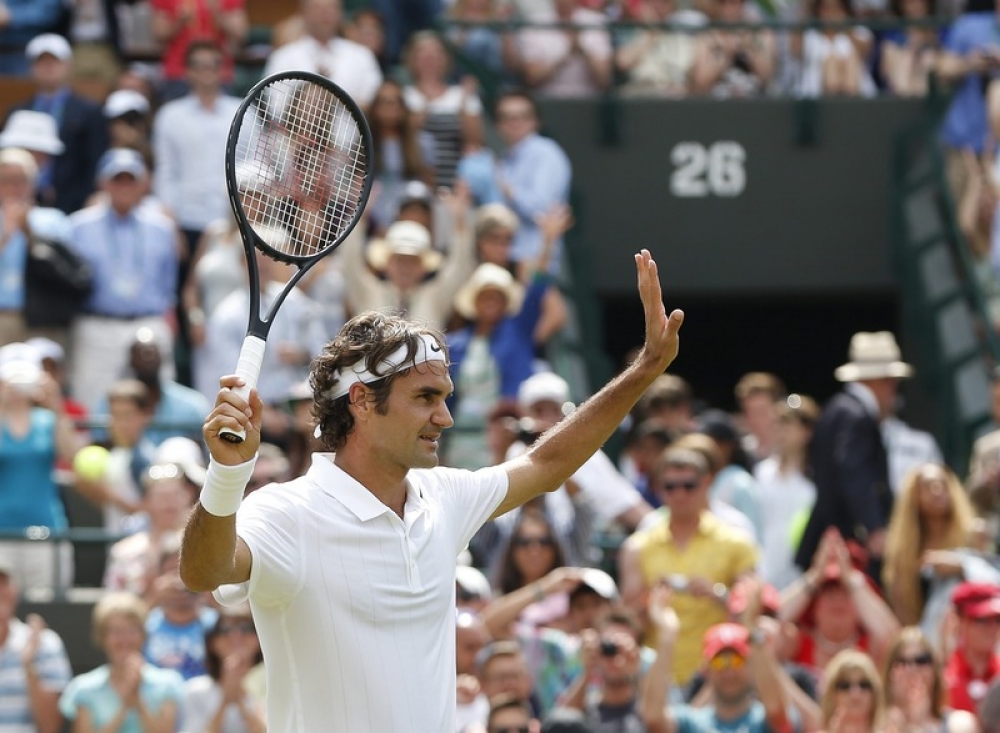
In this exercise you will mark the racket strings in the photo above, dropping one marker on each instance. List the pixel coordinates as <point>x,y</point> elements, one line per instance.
<point>302,164</point>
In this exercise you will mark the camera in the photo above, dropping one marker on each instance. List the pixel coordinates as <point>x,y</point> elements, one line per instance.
<point>608,648</point>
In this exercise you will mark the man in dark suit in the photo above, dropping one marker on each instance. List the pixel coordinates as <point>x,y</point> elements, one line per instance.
<point>69,179</point>
<point>847,457</point>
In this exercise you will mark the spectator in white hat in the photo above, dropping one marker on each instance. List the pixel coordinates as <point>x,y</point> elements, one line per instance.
<point>68,180</point>
<point>132,250</point>
<point>34,433</point>
<point>128,114</point>
<point>847,456</point>
<point>404,271</point>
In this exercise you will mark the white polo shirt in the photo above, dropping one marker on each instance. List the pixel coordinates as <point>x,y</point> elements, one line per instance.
<point>355,606</point>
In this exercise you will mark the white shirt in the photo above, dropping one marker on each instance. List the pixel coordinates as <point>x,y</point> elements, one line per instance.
<point>354,606</point>
<point>189,142</point>
<point>347,64</point>
<point>783,499</point>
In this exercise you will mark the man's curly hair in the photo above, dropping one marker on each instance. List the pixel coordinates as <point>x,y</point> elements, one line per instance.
<point>369,337</point>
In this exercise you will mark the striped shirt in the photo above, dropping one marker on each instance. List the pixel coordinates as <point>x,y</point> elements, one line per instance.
<point>51,664</point>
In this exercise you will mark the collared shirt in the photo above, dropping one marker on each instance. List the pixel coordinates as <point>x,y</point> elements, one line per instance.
<point>189,141</point>
<point>717,553</point>
<point>53,669</point>
<point>133,257</point>
<point>347,64</point>
<point>538,173</point>
<point>44,222</point>
<point>965,689</point>
<point>355,606</point>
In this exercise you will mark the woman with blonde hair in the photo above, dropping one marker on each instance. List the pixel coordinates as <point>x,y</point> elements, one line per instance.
<point>128,694</point>
<point>931,518</point>
<point>853,700</point>
<point>915,690</point>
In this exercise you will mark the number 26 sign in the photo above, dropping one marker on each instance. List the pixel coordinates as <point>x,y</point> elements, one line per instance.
<point>717,169</point>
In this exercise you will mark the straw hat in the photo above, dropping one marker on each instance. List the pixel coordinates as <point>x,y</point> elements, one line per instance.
<point>486,276</point>
<point>404,238</point>
<point>873,356</point>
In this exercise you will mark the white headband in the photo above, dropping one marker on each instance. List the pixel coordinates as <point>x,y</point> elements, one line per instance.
<point>428,349</point>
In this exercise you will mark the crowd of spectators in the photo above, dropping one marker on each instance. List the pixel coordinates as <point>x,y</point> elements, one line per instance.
<point>788,567</point>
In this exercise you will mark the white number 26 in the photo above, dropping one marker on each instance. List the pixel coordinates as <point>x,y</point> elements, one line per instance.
<point>714,170</point>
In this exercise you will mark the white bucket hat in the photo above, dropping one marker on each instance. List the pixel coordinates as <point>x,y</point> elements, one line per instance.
<point>488,275</point>
<point>34,131</point>
<point>404,238</point>
<point>873,356</point>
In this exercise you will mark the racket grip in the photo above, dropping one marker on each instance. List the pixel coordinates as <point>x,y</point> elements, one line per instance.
<point>248,367</point>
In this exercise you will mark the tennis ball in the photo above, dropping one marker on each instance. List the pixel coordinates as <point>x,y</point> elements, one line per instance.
<point>91,463</point>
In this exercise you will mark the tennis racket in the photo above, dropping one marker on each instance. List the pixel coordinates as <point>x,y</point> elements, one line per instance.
<point>298,172</point>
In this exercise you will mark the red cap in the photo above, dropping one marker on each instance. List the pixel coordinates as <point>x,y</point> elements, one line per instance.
<point>977,600</point>
<point>726,636</point>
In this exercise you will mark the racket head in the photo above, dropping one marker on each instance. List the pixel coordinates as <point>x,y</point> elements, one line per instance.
<point>298,166</point>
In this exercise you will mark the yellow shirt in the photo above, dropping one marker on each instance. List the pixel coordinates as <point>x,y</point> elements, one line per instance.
<point>716,552</point>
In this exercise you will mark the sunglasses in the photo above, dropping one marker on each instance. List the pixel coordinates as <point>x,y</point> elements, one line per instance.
<point>510,729</point>
<point>921,660</point>
<point>244,628</point>
<point>689,485</point>
<point>536,541</point>
<point>724,661</point>
<point>845,685</point>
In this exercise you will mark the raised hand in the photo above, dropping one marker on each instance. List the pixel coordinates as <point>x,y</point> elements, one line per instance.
<point>36,625</point>
<point>662,340</point>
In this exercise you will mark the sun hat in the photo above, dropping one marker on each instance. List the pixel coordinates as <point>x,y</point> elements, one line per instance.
<point>873,356</point>
<point>487,276</point>
<point>34,131</point>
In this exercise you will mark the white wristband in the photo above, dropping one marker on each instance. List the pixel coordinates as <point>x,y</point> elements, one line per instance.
<point>224,485</point>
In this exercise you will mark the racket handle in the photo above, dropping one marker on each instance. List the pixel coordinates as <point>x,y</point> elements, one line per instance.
<point>248,367</point>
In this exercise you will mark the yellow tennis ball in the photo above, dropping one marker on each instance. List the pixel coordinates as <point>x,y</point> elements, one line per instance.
<point>91,463</point>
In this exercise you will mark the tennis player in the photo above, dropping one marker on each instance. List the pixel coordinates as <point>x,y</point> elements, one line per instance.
<point>350,569</point>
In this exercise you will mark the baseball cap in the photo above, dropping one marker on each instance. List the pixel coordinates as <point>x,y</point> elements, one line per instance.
<point>50,43</point>
<point>543,387</point>
<point>20,364</point>
<point>473,582</point>
<point>977,600</point>
<point>416,192</point>
<point>124,101</point>
<point>726,636</point>
<point>121,160</point>
<point>599,582</point>
<point>566,720</point>
<point>184,453</point>
<point>47,348</point>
